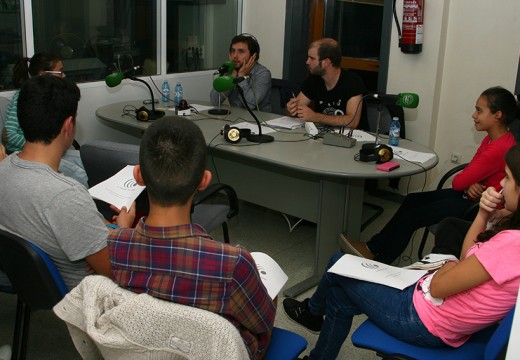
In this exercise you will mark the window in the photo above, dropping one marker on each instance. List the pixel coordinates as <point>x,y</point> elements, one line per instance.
<point>94,37</point>
<point>10,40</point>
<point>199,33</point>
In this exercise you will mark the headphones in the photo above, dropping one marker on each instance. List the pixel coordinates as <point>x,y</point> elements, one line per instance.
<point>142,114</point>
<point>252,43</point>
<point>380,154</point>
<point>233,135</point>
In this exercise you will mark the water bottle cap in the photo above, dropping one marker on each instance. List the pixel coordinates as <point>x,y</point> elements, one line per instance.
<point>395,118</point>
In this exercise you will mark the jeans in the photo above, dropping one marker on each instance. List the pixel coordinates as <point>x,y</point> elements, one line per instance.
<point>72,166</point>
<point>450,235</point>
<point>418,210</point>
<point>340,298</point>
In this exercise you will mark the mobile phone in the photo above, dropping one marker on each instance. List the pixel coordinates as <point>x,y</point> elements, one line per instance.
<point>388,166</point>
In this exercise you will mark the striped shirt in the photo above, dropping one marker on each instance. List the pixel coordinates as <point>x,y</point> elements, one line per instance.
<point>185,265</point>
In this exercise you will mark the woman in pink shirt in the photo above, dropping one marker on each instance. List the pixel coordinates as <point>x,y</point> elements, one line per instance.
<point>496,108</point>
<point>443,308</point>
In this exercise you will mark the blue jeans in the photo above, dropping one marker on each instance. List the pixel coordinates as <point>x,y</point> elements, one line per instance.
<point>340,298</point>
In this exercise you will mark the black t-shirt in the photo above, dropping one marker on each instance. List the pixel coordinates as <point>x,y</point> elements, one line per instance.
<point>333,102</point>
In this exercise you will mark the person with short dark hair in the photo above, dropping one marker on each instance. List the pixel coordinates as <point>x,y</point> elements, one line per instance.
<point>42,63</point>
<point>41,205</point>
<point>168,257</point>
<point>337,93</point>
<point>244,52</point>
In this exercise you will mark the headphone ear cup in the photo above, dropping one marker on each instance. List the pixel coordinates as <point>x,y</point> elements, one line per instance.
<point>141,114</point>
<point>367,155</point>
<point>231,134</point>
<point>384,154</point>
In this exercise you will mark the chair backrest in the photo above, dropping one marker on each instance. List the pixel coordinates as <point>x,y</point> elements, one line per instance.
<point>4,103</point>
<point>122,324</point>
<point>103,159</point>
<point>387,113</point>
<point>32,273</point>
<point>500,337</point>
<point>281,92</point>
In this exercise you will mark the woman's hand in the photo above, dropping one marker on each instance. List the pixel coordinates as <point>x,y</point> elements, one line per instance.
<point>491,199</point>
<point>474,192</point>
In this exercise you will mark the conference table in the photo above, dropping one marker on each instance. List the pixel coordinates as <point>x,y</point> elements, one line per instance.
<point>294,174</point>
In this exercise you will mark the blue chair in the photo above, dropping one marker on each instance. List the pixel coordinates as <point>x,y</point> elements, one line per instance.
<point>285,345</point>
<point>486,344</point>
<point>36,281</point>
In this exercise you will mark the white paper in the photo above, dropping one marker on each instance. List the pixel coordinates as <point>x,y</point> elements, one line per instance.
<point>200,108</point>
<point>410,155</point>
<point>119,190</point>
<point>359,135</point>
<point>271,274</point>
<point>373,271</point>
<point>432,262</point>
<point>253,127</point>
<point>286,122</point>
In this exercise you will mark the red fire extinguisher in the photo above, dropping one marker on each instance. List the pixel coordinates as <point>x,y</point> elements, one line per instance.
<point>411,39</point>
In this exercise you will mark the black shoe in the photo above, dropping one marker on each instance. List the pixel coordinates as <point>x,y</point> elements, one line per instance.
<point>299,312</point>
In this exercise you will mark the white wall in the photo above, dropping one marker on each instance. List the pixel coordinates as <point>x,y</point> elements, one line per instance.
<point>469,45</point>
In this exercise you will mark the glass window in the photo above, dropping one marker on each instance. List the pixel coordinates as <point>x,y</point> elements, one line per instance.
<point>10,40</point>
<point>199,33</point>
<point>93,37</point>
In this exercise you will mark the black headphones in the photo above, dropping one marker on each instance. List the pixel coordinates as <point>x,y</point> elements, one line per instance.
<point>142,114</point>
<point>233,135</point>
<point>380,154</point>
<point>252,43</point>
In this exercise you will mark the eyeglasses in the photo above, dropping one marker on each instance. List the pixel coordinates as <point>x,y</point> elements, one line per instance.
<point>55,72</point>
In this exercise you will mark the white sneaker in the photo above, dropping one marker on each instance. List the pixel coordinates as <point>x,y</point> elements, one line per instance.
<point>5,352</point>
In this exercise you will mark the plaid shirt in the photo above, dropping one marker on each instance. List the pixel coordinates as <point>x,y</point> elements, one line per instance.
<point>185,265</point>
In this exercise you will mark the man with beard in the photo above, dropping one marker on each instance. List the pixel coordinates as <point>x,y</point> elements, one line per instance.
<point>337,93</point>
<point>244,52</point>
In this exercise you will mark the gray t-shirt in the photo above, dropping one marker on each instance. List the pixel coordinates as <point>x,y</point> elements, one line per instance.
<point>54,212</point>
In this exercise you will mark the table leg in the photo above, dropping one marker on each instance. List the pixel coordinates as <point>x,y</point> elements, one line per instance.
<point>341,205</point>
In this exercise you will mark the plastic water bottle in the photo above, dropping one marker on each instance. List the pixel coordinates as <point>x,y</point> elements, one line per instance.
<point>178,94</point>
<point>165,91</point>
<point>395,132</point>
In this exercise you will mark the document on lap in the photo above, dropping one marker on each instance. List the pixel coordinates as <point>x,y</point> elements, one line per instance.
<point>373,271</point>
<point>119,190</point>
<point>271,274</point>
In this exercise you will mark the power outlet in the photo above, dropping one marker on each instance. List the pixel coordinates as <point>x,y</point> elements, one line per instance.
<point>456,158</point>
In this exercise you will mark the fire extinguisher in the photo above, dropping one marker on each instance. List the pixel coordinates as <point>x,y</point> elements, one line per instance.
<point>411,39</point>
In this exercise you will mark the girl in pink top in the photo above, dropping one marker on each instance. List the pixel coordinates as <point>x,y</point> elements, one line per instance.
<point>443,308</point>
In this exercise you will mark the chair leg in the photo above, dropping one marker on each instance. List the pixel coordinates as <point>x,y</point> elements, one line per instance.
<point>21,331</point>
<point>423,243</point>
<point>226,232</point>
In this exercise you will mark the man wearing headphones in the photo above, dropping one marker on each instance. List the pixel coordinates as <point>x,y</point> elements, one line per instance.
<point>244,52</point>
<point>337,93</point>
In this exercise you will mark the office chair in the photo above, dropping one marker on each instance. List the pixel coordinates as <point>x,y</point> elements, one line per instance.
<point>4,103</point>
<point>469,214</point>
<point>281,92</point>
<point>36,281</point>
<point>103,159</point>
<point>486,344</point>
<point>107,321</point>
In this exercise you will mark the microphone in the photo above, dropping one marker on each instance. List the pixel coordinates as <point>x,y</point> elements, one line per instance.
<point>223,83</point>
<point>406,100</point>
<point>143,114</point>
<point>115,78</point>
<point>226,68</point>
<point>239,79</point>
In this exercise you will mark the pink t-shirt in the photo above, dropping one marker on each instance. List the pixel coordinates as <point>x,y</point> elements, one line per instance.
<point>465,313</point>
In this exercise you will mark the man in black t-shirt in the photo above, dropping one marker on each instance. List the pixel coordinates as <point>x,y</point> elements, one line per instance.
<point>337,93</point>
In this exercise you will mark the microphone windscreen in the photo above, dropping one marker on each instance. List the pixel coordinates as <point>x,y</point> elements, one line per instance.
<point>223,83</point>
<point>230,66</point>
<point>408,100</point>
<point>114,79</point>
